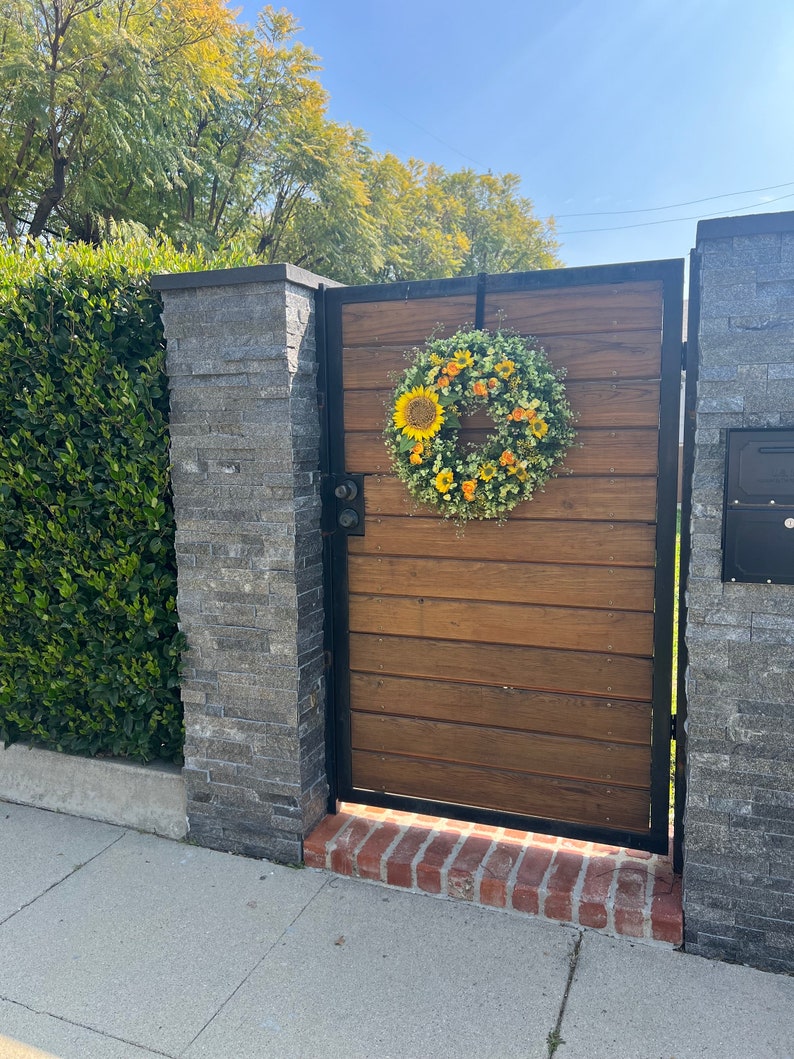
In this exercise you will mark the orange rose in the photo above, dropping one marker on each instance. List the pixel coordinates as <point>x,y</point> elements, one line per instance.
<point>452,369</point>
<point>518,414</point>
<point>415,459</point>
<point>507,458</point>
<point>418,447</point>
<point>468,488</point>
<point>443,382</point>
<point>480,389</point>
<point>530,414</point>
<point>492,384</point>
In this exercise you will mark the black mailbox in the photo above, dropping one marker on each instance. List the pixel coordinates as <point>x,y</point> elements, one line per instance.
<point>758,522</point>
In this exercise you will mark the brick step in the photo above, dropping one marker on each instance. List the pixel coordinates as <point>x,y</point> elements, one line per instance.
<point>617,891</point>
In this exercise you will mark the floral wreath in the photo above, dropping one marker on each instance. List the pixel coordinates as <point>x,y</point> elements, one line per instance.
<point>510,379</point>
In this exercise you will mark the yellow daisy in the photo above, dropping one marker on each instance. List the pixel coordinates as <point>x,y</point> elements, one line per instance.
<point>464,359</point>
<point>539,427</point>
<point>487,471</point>
<point>444,480</point>
<point>505,368</point>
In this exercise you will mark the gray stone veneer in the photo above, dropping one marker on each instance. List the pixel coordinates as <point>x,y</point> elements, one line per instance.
<point>245,452</point>
<point>739,821</point>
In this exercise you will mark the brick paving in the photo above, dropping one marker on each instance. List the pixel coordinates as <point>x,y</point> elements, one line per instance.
<point>617,891</point>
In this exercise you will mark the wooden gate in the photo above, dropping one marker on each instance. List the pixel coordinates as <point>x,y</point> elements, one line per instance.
<point>517,674</point>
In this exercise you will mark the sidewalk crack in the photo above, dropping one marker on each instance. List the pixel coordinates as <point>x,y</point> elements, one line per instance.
<point>554,1038</point>
<point>84,1026</point>
<point>58,882</point>
<point>256,966</point>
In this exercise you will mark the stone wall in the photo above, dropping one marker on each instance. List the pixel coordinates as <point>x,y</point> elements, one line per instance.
<point>739,821</point>
<point>245,453</point>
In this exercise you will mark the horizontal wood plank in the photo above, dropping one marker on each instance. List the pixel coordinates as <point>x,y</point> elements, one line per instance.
<point>618,632</point>
<point>572,801</point>
<point>596,404</point>
<point>620,588</point>
<point>545,755</point>
<point>533,668</point>
<point>591,499</point>
<point>405,321</point>
<point>613,720</point>
<point>613,356</point>
<point>595,452</point>
<point>591,543</point>
<point>635,306</point>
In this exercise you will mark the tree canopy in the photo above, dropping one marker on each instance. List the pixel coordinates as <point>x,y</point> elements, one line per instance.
<point>173,117</point>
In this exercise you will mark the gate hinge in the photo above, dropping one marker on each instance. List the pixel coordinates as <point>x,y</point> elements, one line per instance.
<point>674,726</point>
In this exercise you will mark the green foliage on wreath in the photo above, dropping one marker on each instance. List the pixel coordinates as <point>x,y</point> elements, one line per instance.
<point>502,375</point>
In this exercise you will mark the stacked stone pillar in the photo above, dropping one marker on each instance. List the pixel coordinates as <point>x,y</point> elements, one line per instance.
<point>739,819</point>
<point>245,452</point>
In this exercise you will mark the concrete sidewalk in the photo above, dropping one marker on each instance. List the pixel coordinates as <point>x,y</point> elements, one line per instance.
<point>118,945</point>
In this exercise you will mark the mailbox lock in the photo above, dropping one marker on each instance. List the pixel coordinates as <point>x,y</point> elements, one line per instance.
<point>346,490</point>
<point>789,523</point>
<point>348,518</point>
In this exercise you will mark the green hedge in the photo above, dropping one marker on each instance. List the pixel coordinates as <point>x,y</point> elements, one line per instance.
<point>89,644</point>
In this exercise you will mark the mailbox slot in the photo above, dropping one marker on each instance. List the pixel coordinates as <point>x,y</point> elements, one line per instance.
<point>758,517</point>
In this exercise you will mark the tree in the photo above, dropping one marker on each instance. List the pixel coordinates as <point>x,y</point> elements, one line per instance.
<point>427,223</point>
<point>172,116</point>
<point>83,114</point>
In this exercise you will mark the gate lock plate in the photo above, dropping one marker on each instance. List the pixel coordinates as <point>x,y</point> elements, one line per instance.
<point>348,498</point>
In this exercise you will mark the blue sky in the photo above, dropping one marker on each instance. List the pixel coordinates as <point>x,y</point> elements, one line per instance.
<point>599,106</point>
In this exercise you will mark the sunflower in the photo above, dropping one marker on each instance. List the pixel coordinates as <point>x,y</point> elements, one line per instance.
<point>418,413</point>
<point>539,427</point>
<point>464,359</point>
<point>444,480</point>
<point>487,471</point>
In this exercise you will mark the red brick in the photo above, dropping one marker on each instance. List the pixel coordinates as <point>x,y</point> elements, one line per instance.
<point>398,870</point>
<point>562,880</point>
<point>460,877</point>
<point>529,877</point>
<point>343,848</point>
<point>431,822</point>
<point>434,858</point>
<point>667,918</point>
<point>369,857</point>
<point>545,840</point>
<point>600,850</point>
<point>487,831</point>
<point>397,816</point>
<point>638,854</point>
<point>524,837</point>
<point>496,872</point>
<point>630,899</point>
<point>316,845</point>
<point>595,891</point>
<point>574,845</point>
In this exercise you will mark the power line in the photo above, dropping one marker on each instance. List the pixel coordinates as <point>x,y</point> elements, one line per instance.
<point>678,205</point>
<point>429,133</point>
<point>672,220</point>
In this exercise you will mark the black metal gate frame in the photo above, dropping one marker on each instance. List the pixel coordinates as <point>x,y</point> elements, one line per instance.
<point>338,723</point>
